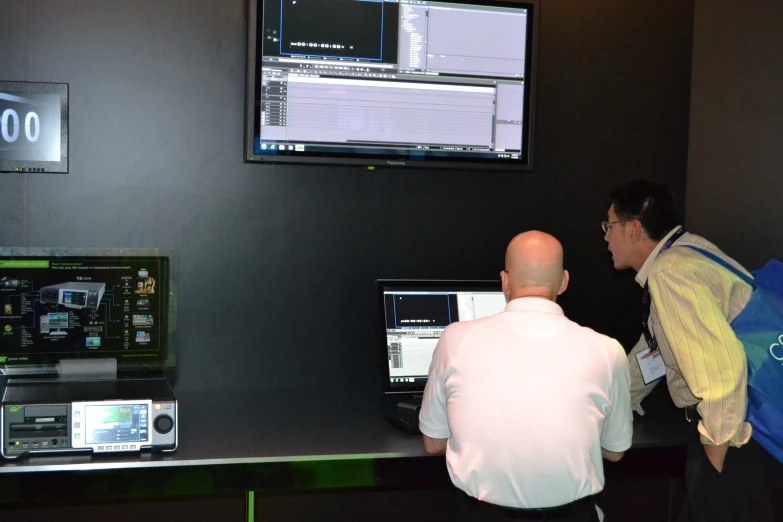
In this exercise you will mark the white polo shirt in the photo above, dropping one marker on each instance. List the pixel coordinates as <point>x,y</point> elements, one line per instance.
<point>527,398</point>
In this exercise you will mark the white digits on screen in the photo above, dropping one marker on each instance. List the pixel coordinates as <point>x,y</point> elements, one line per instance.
<point>28,130</point>
<point>10,122</point>
<point>9,114</point>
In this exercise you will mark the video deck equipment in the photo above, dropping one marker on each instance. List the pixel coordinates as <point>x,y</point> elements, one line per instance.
<point>110,416</point>
<point>74,295</point>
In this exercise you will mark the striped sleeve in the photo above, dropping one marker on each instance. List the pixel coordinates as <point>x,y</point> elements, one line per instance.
<point>709,355</point>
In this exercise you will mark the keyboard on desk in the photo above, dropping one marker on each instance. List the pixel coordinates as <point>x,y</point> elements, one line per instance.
<point>405,419</point>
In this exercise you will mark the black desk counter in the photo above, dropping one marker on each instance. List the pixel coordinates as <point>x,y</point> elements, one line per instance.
<point>279,442</point>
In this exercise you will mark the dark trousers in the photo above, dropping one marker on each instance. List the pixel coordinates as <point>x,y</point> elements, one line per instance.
<point>468,509</point>
<point>745,491</point>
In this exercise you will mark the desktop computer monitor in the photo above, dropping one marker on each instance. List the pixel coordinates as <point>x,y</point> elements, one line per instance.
<point>414,314</point>
<point>57,323</point>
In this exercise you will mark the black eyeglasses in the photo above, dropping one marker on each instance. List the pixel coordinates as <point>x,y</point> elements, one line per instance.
<point>606,226</point>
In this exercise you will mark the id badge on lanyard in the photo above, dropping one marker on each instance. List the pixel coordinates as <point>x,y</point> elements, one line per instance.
<point>652,365</point>
<point>651,361</point>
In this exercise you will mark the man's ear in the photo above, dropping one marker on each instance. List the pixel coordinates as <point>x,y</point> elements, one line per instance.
<point>564,283</point>
<point>634,229</point>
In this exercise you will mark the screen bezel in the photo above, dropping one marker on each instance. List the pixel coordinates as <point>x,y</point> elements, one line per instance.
<point>41,167</point>
<point>252,113</point>
<point>166,361</point>
<point>419,284</point>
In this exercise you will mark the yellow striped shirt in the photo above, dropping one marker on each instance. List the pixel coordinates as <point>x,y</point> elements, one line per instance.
<point>693,301</point>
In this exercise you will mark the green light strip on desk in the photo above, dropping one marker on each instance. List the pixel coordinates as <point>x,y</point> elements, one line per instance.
<point>251,506</point>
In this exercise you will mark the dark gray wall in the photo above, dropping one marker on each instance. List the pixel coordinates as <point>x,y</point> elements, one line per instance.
<point>13,65</point>
<point>278,263</point>
<point>735,189</point>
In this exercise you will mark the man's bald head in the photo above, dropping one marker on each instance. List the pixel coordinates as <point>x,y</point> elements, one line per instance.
<point>534,267</point>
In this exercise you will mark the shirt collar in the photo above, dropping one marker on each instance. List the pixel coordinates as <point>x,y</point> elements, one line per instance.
<point>534,304</point>
<point>644,272</point>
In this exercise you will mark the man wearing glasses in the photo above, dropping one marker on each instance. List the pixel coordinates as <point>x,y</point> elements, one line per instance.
<point>688,302</point>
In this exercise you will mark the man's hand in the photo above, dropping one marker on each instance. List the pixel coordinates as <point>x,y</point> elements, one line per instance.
<point>716,455</point>
<point>612,456</point>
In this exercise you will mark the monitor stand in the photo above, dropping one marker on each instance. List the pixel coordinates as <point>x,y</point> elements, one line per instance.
<point>78,379</point>
<point>95,369</point>
<point>82,380</point>
<point>412,403</point>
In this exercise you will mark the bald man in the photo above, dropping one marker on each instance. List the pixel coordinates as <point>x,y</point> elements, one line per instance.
<point>526,403</point>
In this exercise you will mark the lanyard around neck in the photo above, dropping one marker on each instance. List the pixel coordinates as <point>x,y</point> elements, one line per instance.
<point>647,300</point>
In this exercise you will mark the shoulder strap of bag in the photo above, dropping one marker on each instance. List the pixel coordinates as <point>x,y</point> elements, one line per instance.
<point>723,263</point>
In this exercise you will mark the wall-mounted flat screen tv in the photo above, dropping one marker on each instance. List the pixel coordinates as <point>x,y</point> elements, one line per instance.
<point>412,83</point>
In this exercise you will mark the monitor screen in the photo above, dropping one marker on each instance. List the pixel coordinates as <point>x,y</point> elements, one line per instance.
<point>116,423</point>
<point>415,314</point>
<point>58,320</point>
<point>33,127</point>
<point>66,305</point>
<point>391,82</point>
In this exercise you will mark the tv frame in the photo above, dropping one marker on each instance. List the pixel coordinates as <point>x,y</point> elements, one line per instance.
<point>42,167</point>
<point>252,112</point>
<point>166,362</point>
<point>383,352</point>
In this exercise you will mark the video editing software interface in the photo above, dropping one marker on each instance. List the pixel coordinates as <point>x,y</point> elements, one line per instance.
<point>392,77</point>
<point>417,316</point>
<point>72,307</point>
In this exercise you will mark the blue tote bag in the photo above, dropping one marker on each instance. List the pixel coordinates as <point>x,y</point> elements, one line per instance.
<point>759,327</point>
